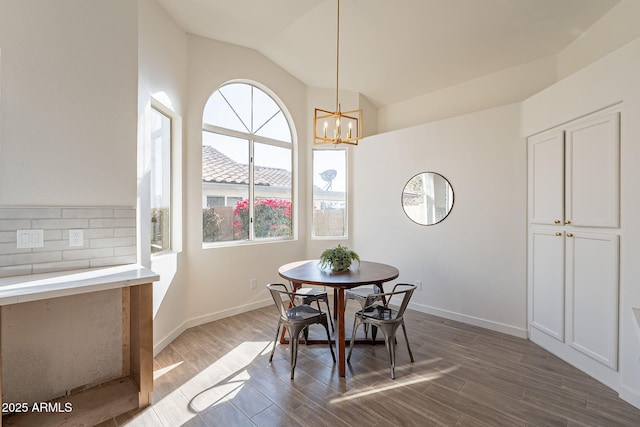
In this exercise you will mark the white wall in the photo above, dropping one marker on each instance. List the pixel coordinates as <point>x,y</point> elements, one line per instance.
<point>67,138</point>
<point>219,277</point>
<point>472,264</point>
<point>163,76</point>
<point>68,104</point>
<point>612,79</point>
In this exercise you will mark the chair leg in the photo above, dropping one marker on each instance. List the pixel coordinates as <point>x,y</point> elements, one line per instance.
<point>366,325</point>
<point>294,349</point>
<point>326,327</point>
<point>356,324</point>
<point>326,300</point>
<point>391,349</point>
<point>275,342</point>
<point>407,340</point>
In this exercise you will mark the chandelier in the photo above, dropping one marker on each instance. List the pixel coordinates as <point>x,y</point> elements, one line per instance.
<point>337,127</point>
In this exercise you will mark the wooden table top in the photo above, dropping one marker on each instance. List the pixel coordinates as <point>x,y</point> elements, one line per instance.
<point>366,273</point>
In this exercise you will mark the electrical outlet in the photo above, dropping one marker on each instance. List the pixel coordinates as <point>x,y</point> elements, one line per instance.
<point>76,238</point>
<point>253,284</point>
<point>418,284</point>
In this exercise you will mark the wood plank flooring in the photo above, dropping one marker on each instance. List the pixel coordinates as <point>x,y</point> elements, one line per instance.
<point>218,374</point>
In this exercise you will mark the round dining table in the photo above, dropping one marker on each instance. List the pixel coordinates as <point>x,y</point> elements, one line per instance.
<point>364,273</point>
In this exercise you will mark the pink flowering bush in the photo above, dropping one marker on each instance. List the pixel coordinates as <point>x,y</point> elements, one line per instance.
<point>272,218</point>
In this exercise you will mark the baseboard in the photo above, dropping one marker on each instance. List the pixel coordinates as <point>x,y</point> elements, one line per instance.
<point>475,321</point>
<point>196,321</point>
<point>160,345</point>
<point>591,367</point>
<point>630,395</point>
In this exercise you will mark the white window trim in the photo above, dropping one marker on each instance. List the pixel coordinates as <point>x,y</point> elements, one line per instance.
<point>176,178</point>
<point>346,200</point>
<point>252,138</point>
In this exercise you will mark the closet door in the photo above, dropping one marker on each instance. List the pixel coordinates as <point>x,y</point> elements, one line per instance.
<point>546,280</point>
<point>546,178</point>
<point>592,171</point>
<point>592,295</point>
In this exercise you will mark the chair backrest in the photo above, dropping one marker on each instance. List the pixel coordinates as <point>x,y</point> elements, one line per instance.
<point>401,289</point>
<point>282,297</point>
<point>407,290</point>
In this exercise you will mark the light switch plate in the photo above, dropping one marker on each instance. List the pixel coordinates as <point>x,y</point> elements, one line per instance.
<point>30,239</point>
<point>76,238</point>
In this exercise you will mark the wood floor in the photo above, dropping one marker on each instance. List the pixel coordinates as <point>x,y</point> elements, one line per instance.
<point>218,374</point>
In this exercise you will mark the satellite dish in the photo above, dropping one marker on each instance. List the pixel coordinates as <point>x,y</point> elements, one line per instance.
<point>328,176</point>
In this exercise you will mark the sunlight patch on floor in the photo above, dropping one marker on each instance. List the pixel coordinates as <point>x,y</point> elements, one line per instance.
<point>160,372</point>
<point>397,384</point>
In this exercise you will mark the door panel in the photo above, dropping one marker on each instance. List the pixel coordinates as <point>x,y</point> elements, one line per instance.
<point>592,172</point>
<point>592,296</point>
<point>547,281</point>
<point>546,178</point>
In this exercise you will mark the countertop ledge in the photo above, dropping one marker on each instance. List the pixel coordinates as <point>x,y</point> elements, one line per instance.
<point>18,289</point>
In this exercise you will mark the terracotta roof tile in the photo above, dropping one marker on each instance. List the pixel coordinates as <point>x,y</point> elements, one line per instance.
<point>216,167</point>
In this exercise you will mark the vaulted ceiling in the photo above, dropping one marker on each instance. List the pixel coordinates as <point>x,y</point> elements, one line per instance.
<point>391,51</point>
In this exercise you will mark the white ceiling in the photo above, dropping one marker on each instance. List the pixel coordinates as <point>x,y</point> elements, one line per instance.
<point>392,50</point>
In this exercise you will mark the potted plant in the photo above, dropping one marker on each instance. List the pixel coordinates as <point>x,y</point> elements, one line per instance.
<point>338,258</point>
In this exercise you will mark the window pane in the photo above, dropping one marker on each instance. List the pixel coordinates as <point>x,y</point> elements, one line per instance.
<point>276,128</point>
<point>329,193</point>
<point>225,175</point>
<point>160,182</point>
<point>228,212</point>
<point>272,203</point>
<point>264,107</point>
<point>230,108</point>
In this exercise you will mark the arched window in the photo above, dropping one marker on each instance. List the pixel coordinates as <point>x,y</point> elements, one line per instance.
<point>247,174</point>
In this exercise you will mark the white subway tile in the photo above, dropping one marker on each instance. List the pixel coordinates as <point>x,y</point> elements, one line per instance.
<point>96,233</point>
<point>50,267</point>
<point>124,213</point>
<point>87,253</point>
<point>89,213</point>
<point>29,258</point>
<point>116,222</point>
<point>60,223</point>
<point>8,237</point>
<point>29,213</point>
<point>14,224</point>
<point>15,270</point>
<point>113,242</point>
<point>102,262</point>
<point>125,250</point>
<point>124,232</point>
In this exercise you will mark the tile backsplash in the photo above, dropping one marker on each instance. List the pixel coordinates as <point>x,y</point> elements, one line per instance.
<point>109,235</point>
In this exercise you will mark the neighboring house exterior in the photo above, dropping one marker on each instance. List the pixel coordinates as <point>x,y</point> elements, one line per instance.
<point>226,182</point>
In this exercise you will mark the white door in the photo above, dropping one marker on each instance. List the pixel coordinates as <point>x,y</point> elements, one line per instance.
<point>547,281</point>
<point>592,172</point>
<point>546,178</point>
<point>592,295</point>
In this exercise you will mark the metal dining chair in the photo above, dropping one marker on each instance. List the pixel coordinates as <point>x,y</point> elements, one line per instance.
<point>309,295</point>
<point>295,318</point>
<point>381,316</point>
<point>364,295</point>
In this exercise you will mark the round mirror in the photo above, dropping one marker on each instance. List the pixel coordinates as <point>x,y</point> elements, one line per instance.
<point>427,198</point>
